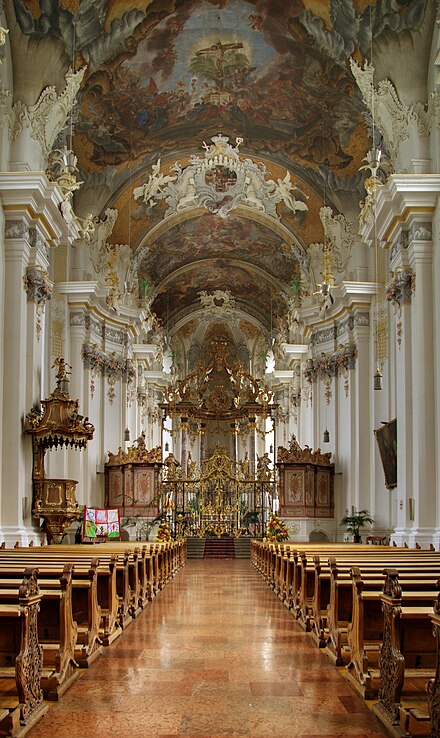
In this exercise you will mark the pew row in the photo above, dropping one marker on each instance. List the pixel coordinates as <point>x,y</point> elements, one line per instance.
<point>57,630</point>
<point>408,664</point>
<point>85,608</point>
<point>21,659</point>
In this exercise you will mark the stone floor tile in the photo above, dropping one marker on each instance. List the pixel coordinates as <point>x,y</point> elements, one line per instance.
<point>214,655</point>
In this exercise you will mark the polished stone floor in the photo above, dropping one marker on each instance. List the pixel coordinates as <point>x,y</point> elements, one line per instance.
<point>215,654</point>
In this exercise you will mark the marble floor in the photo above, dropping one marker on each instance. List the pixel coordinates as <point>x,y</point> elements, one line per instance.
<point>214,655</point>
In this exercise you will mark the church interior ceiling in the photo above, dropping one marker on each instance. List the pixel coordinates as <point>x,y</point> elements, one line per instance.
<point>165,76</point>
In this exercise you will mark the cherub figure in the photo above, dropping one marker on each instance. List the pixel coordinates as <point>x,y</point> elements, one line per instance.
<point>285,188</point>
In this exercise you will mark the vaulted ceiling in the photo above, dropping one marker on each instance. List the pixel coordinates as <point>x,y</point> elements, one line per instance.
<point>164,76</point>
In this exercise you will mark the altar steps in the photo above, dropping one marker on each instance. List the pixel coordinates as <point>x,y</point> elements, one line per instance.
<point>242,548</point>
<point>219,548</point>
<point>195,547</point>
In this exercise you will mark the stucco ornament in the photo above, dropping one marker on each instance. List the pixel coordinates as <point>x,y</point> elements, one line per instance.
<point>391,115</point>
<point>49,114</point>
<point>221,301</point>
<point>111,262</point>
<point>332,255</point>
<point>3,34</point>
<point>337,231</point>
<point>220,182</point>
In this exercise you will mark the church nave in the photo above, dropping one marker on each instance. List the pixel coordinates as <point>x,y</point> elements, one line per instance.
<point>214,655</point>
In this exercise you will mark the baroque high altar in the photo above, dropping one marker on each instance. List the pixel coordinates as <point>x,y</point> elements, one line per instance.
<point>216,412</point>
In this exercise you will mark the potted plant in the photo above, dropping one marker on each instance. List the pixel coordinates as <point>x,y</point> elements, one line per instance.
<point>353,523</point>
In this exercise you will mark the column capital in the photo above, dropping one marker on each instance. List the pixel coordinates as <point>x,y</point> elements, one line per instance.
<point>403,199</point>
<point>420,252</point>
<point>29,198</point>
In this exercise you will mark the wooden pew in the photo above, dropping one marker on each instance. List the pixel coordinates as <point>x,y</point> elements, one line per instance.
<point>407,661</point>
<point>433,686</point>
<point>86,611</point>
<point>113,594</point>
<point>340,608</point>
<point>21,659</point>
<point>366,630</point>
<point>57,630</point>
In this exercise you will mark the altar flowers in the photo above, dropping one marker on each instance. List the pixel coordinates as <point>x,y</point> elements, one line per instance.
<point>164,532</point>
<point>276,530</point>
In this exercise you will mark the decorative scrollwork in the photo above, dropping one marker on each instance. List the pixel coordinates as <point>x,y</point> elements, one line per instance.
<point>219,182</point>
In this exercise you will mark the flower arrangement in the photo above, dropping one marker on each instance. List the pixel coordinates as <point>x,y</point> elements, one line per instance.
<point>164,532</point>
<point>276,530</point>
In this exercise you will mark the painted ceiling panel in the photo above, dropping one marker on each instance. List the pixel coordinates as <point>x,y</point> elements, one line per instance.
<point>209,237</point>
<point>251,291</point>
<point>163,76</point>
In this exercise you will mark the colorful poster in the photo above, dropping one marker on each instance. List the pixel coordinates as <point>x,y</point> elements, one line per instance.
<point>101,522</point>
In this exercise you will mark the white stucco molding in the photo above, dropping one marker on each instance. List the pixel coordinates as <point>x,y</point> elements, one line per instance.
<point>405,198</point>
<point>30,197</point>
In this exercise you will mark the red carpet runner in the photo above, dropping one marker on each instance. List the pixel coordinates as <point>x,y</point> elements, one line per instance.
<point>219,548</point>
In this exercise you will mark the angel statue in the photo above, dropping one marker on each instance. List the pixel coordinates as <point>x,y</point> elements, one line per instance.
<point>284,189</point>
<point>62,373</point>
<point>153,189</point>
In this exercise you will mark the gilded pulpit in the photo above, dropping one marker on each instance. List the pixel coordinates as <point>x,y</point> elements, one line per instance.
<point>57,424</point>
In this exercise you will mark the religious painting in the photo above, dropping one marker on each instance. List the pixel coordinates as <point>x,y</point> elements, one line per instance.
<point>322,488</point>
<point>208,236</point>
<point>295,487</point>
<point>386,438</point>
<point>115,487</point>
<point>144,490</point>
<point>248,286</point>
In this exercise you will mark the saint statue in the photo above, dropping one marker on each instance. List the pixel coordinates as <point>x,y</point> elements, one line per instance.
<point>263,468</point>
<point>244,466</point>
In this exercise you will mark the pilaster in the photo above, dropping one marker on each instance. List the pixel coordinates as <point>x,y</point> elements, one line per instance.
<point>423,415</point>
<point>33,223</point>
<point>401,328</point>
<point>16,471</point>
<point>361,447</point>
<point>409,203</point>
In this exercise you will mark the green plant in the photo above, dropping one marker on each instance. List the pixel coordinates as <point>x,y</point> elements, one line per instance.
<point>296,285</point>
<point>354,523</point>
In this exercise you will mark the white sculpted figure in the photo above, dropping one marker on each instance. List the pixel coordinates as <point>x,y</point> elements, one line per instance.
<point>285,187</point>
<point>337,231</point>
<point>152,190</point>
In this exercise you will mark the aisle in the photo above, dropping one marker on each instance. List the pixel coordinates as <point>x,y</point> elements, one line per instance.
<point>214,655</point>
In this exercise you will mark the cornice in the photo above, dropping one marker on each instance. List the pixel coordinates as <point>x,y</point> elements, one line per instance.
<point>30,196</point>
<point>402,198</point>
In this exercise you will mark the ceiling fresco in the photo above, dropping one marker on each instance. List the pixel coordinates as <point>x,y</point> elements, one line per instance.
<point>160,72</point>
<point>163,76</point>
<point>252,292</point>
<point>208,237</point>
<point>203,66</point>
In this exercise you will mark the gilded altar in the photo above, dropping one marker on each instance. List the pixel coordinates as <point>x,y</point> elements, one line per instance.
<point>219,498</point>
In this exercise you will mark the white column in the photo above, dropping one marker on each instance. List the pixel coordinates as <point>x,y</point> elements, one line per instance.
<point>16,467</point>
<point>400,328</point>
<point>423,416</point>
